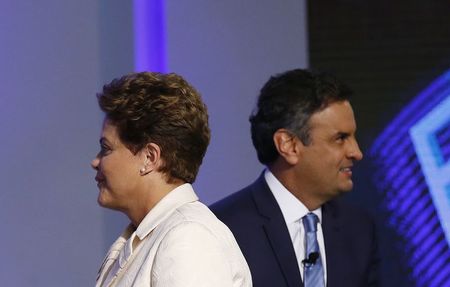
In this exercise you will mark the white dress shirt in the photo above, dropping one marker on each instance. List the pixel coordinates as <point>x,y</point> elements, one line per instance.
<point>293,211</point>
<point>180,242</point>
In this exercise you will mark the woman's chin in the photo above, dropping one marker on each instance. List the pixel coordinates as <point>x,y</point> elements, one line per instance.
<point>102,199</point>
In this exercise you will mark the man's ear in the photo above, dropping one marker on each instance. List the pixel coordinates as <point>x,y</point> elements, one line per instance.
<point>287,145</point>
<point>151,154</point>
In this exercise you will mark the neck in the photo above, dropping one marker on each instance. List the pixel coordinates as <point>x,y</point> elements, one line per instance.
<point>151,194</point>
<point>295,185</point>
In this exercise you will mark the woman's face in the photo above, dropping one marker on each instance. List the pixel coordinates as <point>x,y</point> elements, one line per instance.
<point>118,170</point>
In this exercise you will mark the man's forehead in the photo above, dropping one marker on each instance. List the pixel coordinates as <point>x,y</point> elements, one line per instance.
<point>337,117</point>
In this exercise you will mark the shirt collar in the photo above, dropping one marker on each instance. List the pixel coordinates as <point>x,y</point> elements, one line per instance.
<point>291,207</point>
<point>179,196</point>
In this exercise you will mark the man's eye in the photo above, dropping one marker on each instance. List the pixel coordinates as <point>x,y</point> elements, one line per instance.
<point>341,137</point>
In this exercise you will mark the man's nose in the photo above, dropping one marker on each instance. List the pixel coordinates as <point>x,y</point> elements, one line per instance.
<point>355,152</point>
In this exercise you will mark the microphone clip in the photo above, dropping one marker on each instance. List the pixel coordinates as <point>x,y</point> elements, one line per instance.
<point>311,260</point>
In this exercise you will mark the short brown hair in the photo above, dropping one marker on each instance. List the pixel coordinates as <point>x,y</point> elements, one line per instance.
<point>164,109</point>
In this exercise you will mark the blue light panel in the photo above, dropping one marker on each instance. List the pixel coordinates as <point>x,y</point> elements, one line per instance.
<point>413,174</point>
<point>149,36</point>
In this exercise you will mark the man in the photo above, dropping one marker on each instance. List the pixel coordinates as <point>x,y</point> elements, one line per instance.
<point>288,223</point>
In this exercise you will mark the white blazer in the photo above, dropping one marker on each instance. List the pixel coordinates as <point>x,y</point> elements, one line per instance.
<point>180,242</point>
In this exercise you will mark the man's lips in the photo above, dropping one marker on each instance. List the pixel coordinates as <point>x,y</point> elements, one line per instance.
<point>346,170</point>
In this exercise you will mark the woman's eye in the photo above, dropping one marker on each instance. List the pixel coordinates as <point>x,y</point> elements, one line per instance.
<point>104,149</point>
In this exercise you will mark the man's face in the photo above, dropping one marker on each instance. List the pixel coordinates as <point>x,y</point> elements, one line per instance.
<point>325,166</point>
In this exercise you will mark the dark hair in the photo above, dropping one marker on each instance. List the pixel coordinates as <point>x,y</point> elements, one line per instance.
<point>163,109</point>
<point>288,100</point>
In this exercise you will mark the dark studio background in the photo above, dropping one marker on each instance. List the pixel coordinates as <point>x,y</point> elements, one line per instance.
<point>387,51</point>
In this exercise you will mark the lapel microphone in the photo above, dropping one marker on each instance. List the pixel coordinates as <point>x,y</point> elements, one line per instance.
<point>311,260</point>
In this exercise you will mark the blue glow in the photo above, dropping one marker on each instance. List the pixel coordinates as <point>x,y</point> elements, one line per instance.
<point>149,36</point>
<point>429,154</point>
<point>416,192</point>
<point>431,266</point>
<point>422,102</point>
<point>405,204</point>
<point>414,211</point>
<point>426,101</point>
<point>422,220</point>
<point>442,277</point>
<point>414,177</point>
<point>443,139</point>
<point>428,244</point>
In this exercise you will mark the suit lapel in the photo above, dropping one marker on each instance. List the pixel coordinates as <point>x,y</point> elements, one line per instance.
<point>277,233</point>
<point>331,233</point>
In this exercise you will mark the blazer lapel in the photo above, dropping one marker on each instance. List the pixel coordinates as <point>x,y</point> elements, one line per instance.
<point>277,232</point>
<point>111,264</point>
<point>331,233</point>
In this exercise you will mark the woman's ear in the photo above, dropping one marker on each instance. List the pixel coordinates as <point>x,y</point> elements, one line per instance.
<point>151,155</point>
<point>287,145</point>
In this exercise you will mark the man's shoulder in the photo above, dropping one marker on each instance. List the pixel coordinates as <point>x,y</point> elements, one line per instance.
<point>239,201</point>
<point>242,207</point>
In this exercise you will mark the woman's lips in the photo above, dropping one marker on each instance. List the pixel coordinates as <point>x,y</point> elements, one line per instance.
<point>99,180</point>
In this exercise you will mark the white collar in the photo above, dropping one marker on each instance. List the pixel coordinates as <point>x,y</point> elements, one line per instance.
<point>291,207</point>
<point>179,196</point>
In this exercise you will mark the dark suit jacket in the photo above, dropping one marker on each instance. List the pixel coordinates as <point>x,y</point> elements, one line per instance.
<point>256,221</point>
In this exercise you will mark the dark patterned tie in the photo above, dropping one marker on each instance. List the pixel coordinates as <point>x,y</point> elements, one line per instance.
<point>313,264</point>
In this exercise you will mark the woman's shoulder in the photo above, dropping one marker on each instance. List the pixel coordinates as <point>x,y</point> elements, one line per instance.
<point>196,217</point>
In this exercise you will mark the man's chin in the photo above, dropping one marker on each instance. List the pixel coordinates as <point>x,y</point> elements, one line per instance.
<point>346,189</point>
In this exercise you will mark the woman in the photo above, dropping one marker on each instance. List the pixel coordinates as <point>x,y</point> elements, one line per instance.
<point>155,134</point>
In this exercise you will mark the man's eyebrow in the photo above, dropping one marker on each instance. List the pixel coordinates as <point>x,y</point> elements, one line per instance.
<point>340,134</point>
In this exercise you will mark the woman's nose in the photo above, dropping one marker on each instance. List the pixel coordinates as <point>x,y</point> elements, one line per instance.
<point>95,162</point>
